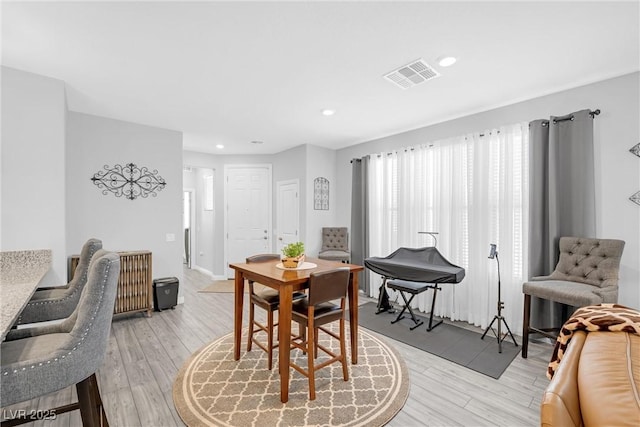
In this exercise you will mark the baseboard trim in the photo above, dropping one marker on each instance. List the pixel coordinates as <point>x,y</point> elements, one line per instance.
<point>208,273</point>
<point>203,271</point>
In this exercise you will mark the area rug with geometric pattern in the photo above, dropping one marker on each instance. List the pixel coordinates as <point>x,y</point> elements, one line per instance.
<point>212,389</point>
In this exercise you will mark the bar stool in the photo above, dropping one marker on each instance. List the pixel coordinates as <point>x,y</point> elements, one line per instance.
<point>53,303</point>
<point>314,312</point>
<point>44,359</point>
<point>267,299</point>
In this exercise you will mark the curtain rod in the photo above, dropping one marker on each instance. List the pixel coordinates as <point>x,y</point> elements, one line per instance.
<point>593,114</point>
<point>358,159</point>
<point>482,134</point>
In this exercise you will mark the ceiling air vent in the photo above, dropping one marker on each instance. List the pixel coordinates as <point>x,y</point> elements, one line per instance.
<point>412,74</point>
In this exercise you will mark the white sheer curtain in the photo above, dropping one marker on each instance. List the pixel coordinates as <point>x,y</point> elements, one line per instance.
<point>473,191</point>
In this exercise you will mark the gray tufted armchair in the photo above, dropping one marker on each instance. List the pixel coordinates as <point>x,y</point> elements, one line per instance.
<point>586,274</point>
<point>59,302</point>
<point>43,359</point>
<point>335,244</point>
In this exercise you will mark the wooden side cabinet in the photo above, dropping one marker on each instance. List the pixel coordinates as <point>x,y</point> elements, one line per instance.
<point>135,292</point>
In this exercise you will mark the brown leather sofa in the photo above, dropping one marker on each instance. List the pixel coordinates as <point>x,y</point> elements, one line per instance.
<point>597,382</point>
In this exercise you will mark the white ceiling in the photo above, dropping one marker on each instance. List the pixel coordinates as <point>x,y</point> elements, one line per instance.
<point>232,72</point>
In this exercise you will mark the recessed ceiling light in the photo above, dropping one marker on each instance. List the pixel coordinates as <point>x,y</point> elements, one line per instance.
<point>220,146</point>
<point>446,61</point>
<point>327,112</point>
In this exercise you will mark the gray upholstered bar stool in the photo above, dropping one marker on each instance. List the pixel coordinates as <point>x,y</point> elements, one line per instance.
<point>41,360</point>
<point>55,303</point>
<point>586,274</point>
<point>335,244</point>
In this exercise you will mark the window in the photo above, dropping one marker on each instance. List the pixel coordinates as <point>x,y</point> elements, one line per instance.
<point>473,191</point>
<point>208,192</point>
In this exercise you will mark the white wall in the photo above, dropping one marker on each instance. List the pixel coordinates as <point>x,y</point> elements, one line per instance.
<point>33,164</point>
<point>320,162</point>
<point>305,163</point>
<point>217,162</point>
<point>617,170</point>
<point>123,224</point>
<point>204,227</point>
<point>287,165</point>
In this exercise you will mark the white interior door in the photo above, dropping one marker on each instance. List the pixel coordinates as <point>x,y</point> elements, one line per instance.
<point>248,212</point>
<point>287,213</point>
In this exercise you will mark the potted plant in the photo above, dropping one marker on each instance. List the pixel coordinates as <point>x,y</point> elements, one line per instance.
<point>293,255</point>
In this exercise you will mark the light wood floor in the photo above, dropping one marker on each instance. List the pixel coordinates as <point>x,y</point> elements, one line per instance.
<point>145,354</point>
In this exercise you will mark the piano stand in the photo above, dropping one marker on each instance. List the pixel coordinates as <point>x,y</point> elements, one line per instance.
<point>414,288</point>
<point>383,299</point>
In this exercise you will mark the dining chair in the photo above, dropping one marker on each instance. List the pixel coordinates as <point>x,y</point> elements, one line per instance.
<point>53,303</point>
<point>586,274</point>
<point>335,244</point>
<point>44,359</point>
<point>267,299</point>
<point>312,313</point>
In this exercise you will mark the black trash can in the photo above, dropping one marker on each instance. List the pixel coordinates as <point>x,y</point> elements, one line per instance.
<point>165,293</point>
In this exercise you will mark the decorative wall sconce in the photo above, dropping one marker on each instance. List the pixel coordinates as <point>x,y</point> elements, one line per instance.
<point>129,181</point>
<point>635,198</point>
<point>321,194</point>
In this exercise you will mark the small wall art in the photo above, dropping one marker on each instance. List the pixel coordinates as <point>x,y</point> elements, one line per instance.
<point>321,194</point>
<point>635,198</point>
<point>129,181</point>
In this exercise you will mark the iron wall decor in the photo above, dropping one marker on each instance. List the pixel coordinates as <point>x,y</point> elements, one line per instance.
<point>321,194</point>
<point>129,181</point>
<point>635,198</point>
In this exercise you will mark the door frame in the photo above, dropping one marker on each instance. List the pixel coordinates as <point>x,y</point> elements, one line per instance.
<point>192,221</point>
<point>295,181</point>
<point>227,168</point>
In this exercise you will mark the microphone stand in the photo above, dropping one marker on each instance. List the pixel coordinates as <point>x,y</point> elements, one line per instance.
<point>499,316</point>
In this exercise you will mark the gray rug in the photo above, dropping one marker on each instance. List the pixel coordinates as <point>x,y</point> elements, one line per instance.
<point>458,345</point>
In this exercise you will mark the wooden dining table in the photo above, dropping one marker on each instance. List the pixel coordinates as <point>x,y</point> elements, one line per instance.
<point>286,281</point>
<point>20,274</point>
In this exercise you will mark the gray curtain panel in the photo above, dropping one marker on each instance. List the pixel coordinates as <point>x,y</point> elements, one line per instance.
<point>360,216</point>
<point>561,196</point>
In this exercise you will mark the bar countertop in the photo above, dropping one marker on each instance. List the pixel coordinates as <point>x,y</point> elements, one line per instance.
<point>20,273</point>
